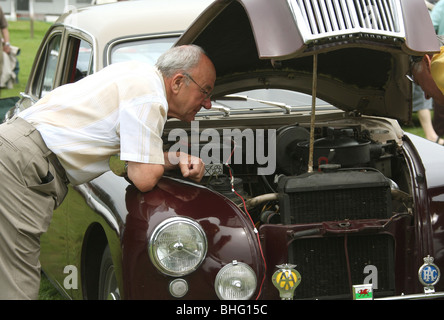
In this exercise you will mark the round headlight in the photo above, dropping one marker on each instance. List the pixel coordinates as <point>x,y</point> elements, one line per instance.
<point>178,246</point>
<point>235,281</point>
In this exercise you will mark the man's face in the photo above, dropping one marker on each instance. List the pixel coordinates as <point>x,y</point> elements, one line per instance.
<point>195,91</point>
<point>423,77</point>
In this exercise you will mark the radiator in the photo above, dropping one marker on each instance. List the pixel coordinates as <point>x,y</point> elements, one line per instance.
<point>334,196</point>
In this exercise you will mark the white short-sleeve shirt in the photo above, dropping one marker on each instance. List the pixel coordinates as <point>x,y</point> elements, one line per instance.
<point>120,109</point>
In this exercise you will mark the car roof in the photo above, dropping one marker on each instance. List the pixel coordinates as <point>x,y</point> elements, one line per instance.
<point>134,17</point>
<point>107,22</point>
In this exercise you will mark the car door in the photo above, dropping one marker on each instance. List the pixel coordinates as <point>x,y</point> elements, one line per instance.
<point>66,58</point>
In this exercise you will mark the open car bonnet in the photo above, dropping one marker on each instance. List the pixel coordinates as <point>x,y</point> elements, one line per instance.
<point>358,50</point>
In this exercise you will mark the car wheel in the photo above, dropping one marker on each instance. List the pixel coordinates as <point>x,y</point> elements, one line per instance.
<point>108,289</point>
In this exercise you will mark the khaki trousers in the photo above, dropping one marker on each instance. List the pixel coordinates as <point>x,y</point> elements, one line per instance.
<point>32,185</point>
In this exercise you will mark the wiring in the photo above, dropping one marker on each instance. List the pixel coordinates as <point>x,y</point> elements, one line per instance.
<point>230,171</point>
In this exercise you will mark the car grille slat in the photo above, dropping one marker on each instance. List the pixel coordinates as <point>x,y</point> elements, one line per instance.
<point>325,18</point>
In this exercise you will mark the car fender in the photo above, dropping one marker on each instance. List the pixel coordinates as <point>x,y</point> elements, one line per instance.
<point>230,235</point>
<point>428,193</point>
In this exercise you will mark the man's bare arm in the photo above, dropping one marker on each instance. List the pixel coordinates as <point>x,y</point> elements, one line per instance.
<point>145,176</point>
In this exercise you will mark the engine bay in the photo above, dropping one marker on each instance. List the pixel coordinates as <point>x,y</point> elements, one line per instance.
<point>357,171</point>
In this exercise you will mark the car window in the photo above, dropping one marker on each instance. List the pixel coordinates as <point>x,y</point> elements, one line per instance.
<point>147,50</point>
<point>78,60</point>
<point>46,69</point>
<point>85,61</point>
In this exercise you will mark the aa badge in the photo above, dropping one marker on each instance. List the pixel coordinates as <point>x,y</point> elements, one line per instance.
<point>286,279</point>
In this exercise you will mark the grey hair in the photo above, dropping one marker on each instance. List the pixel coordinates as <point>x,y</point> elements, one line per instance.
<point>179,59</point>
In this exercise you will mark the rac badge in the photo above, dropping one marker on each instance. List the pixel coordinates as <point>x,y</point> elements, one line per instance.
<point>286,279</point>
<point>429,274</point>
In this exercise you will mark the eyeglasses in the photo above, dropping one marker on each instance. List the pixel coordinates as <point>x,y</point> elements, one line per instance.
<point>202,90</point>
<point>410,77</point>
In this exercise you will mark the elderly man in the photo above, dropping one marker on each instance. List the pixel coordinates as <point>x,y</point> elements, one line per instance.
<point>69,135</point>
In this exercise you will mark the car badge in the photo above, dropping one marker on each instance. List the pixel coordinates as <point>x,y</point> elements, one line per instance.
<point>429,274</point>
<point>363,292</point>
<point>286,279</point>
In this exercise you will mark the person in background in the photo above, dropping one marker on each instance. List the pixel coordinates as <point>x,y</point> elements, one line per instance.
<point>9,65</point>
<point>6,46</point>
<point>423,106</point>
<point>428,73</point>
<point>437,16</point>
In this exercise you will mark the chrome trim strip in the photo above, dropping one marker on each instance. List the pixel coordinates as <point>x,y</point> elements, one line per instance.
<point>419,296</point>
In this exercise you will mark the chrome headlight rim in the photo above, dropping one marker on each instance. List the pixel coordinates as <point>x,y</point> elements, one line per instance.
<point>162,227</point>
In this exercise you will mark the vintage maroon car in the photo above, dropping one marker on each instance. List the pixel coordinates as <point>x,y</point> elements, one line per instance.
<point>354,207</point>
<point>312,190</point>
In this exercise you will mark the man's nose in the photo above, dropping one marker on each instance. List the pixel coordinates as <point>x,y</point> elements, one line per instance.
<point>207,103</point>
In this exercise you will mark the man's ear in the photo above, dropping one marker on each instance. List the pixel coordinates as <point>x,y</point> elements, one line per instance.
<point>177,82</point>
<point>428,62</point>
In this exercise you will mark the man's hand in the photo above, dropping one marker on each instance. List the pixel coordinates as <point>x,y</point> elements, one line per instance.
<point>190,166</point>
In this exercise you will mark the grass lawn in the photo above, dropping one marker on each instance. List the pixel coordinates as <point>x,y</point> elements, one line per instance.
<point>21,37</point>
<point>48,291</point>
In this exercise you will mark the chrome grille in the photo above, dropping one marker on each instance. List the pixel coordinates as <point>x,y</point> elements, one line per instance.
<point>326,18</point>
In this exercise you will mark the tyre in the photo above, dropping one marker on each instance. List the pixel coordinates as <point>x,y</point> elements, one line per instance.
<point>108,289</point>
